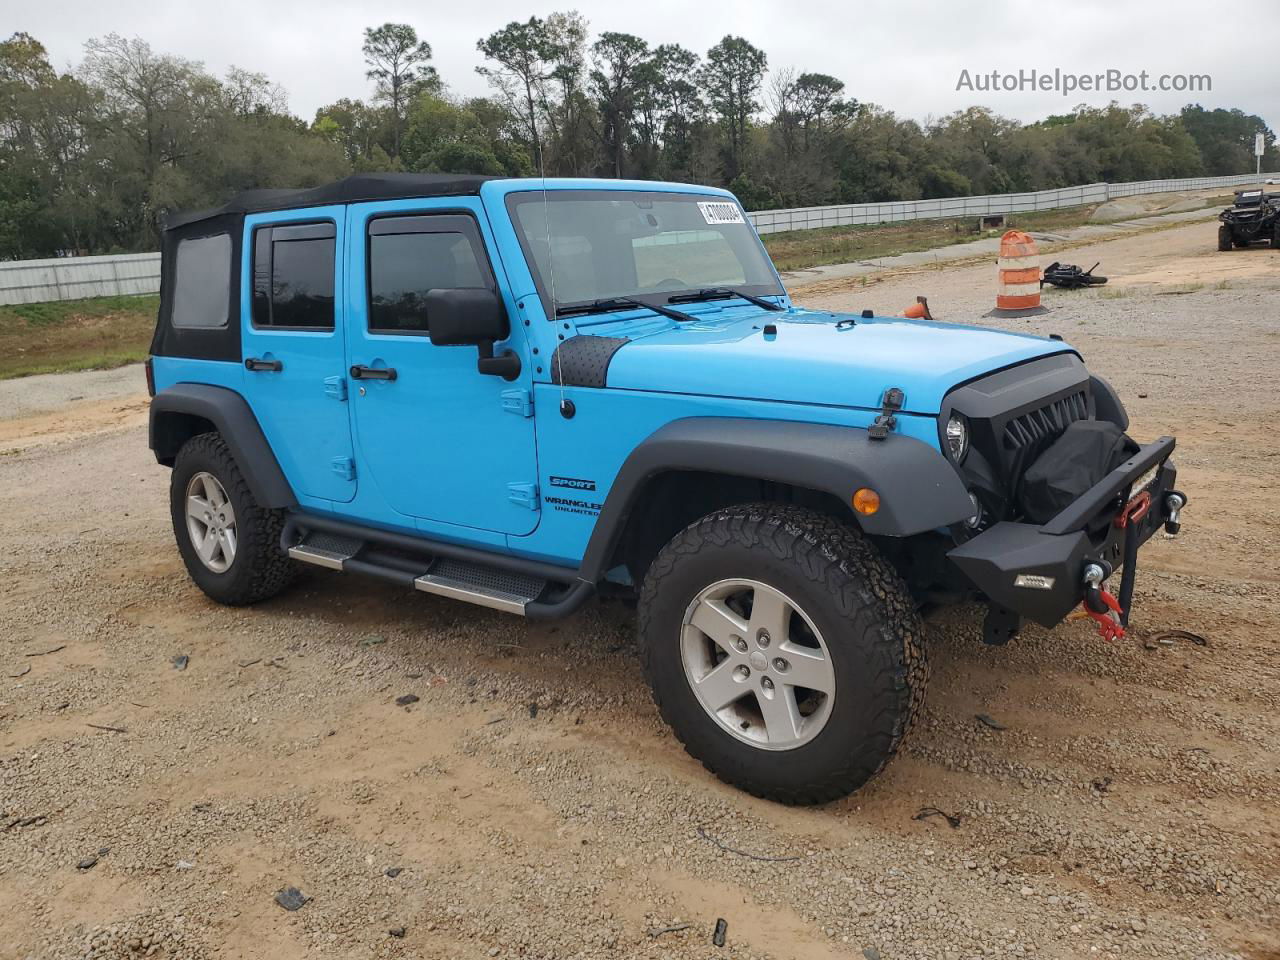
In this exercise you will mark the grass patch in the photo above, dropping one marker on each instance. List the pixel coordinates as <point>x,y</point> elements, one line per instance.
<point>68,335</point>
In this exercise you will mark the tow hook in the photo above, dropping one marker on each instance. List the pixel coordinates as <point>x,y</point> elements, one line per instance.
<point>1173,504</point>
<point>1099,604</point>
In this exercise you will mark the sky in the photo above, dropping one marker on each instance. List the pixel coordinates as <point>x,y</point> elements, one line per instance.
<point>906,55</point>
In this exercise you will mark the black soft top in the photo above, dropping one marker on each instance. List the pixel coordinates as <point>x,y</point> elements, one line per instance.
<point>353,189</point>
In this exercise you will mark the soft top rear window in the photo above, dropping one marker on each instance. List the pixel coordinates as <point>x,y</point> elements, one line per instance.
<point>202,282</point>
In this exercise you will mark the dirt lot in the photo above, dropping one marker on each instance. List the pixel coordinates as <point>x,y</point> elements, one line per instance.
<point>530,803</point>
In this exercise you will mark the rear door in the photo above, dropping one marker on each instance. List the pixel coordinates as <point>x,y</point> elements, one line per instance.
<point>439,440</point>
<point>293,346</point>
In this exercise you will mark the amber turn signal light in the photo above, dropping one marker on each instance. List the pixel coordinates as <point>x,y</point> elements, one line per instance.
<point>866,501</point>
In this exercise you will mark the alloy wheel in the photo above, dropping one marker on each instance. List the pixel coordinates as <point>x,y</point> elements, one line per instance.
<point>211,522</point>
<point>757,664</point>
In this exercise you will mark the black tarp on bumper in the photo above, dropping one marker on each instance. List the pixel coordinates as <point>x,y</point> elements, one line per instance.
<point>1038,571</point>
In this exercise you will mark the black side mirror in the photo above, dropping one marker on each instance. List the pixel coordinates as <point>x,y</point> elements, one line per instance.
<point>472,317</point>
<point>465,317</point>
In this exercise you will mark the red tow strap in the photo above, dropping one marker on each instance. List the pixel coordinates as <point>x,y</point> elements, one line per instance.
<point>1134,510</point>
<point>1108,628</point>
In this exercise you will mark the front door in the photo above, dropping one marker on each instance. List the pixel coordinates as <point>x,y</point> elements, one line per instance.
<point>293,347</point>
<point>438,439</point>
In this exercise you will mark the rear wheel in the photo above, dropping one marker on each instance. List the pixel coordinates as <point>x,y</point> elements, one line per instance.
<point>230,544</point>
<point>783,650</point>
<point>1224,238</point>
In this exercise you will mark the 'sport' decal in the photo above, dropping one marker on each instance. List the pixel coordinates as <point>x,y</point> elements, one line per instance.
<point>573,483</point>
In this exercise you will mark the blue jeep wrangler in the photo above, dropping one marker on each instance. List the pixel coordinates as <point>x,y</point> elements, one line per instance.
<point>522,393</point>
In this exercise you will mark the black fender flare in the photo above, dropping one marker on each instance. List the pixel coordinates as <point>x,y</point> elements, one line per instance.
<point>1106,402</point>
<point>232,417</point>
<point>919,489</point>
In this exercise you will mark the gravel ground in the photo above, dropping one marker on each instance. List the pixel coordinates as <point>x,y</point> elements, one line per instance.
<point>25,396</point>
<point>531,804</point>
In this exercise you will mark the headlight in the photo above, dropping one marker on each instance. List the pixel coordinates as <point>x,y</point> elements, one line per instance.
<point>957,437</point>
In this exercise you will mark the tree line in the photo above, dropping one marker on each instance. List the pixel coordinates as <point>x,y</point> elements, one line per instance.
<point>92,157</point>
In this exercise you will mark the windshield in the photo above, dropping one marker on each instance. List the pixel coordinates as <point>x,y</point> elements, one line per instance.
<point>608,243</point>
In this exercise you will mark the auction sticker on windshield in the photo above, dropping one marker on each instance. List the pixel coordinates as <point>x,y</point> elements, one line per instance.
<point>718,212</point>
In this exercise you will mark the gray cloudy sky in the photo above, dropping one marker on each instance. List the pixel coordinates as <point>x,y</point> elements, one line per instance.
<point>903,54</point>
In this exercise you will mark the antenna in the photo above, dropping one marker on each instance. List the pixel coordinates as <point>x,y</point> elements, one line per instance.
<point>551,280</point>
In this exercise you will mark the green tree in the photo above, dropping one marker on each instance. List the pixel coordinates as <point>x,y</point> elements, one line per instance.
<point>673,102</point>
<point>250,94</point>
<point>399,64</point>
<point>363,132</point>
<point>89,162</point>
<point>522,54</point>
<point>616,79</point>
<point>445,137</point>
<point>44,118</point>
<point>732,78</point>
<point>568,111</point>
<point>809,112</point>
<point>158,111</point>
<point>1225,138</point>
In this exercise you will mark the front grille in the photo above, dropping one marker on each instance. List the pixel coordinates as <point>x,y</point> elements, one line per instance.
<point>1039,427</point>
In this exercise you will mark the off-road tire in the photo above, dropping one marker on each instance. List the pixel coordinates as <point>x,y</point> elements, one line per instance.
<point>260,569</point>
<point>855,598</point>
<point>1224,239</point>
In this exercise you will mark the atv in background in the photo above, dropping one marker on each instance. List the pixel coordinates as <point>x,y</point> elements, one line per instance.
<point>1255,216</point>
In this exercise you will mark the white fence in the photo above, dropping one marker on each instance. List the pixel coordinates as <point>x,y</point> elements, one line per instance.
<point>74,278</point>
<point>857,214</point>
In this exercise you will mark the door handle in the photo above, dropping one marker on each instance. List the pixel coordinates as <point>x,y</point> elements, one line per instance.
<point>263,366</point>
<point>361,372</point>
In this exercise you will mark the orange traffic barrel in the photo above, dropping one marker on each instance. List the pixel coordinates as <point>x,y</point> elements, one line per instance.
<point>1019,268</point>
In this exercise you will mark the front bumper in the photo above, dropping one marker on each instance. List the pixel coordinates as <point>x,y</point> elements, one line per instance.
<point>1037,572</point>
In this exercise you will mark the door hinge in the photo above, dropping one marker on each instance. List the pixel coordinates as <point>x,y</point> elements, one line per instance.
<point>335,387</point>
<point>886,421</point>
<point>519,402</point>
<point>344,467</point>
<point>523,495</point>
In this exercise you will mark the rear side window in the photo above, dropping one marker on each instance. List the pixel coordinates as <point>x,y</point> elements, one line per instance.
<point>293,276</point>
<point>410,256</point>
<point>202,282</point>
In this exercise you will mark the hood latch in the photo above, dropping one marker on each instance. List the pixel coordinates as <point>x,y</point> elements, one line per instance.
<point>886,421</point>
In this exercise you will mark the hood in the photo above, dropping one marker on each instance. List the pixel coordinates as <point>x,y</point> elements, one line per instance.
<point>812,360</point>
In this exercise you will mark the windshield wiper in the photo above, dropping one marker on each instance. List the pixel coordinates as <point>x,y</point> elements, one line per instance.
<point>621,303</point>
<point>722,293</point>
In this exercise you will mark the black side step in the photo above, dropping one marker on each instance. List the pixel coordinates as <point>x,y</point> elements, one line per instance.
<point>525,587</point>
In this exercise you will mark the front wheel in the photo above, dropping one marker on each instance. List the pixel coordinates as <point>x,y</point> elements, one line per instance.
<point>783,650</point>
<point>1224,238</point>
<point>230,544</point>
